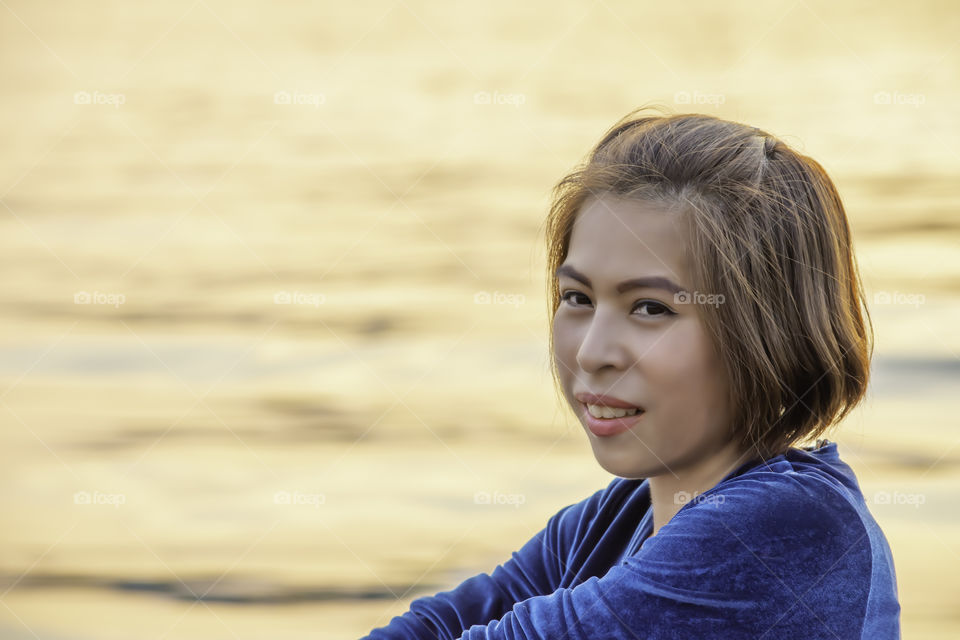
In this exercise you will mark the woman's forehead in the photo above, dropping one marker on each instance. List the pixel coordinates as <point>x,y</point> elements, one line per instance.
<point>614,238</point>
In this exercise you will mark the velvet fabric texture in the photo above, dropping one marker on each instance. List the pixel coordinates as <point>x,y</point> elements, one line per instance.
<point>779,549</point>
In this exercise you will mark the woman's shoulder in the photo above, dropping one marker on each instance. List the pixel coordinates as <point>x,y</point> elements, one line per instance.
<point>772,535</point>
<point>804,491</point>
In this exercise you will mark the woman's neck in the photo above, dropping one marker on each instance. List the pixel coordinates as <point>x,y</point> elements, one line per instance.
<point>670,491</point>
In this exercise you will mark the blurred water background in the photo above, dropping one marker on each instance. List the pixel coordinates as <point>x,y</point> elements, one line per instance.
<point>273,356</point>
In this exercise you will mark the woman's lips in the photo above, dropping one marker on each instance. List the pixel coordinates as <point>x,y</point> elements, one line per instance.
<point>605,427</point>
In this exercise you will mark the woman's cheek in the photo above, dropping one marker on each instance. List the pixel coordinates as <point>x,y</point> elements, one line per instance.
<point>565,353</point>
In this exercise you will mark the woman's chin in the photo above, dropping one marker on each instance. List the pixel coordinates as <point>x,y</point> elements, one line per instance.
<point>622,462</point>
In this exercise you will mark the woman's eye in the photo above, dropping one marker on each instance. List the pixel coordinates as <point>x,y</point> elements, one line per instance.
<point>567,295</point>
<point>653,309</point>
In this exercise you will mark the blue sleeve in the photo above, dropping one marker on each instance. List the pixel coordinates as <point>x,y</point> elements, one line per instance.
<point>536,569</point>
<point>769,558</point>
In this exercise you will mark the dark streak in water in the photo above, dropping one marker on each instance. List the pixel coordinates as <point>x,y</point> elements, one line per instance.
<point>314,431</point>
<point>898,375</point>
<point>252,592</point>
<point>903,459</point>
<point>374,325</point>
<point>938,228</point>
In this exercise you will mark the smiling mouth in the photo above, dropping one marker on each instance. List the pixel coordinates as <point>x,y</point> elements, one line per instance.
<point>605,428</point>
<point>603,412</point>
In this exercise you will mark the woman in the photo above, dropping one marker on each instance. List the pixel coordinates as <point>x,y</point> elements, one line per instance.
<point>708,318</point>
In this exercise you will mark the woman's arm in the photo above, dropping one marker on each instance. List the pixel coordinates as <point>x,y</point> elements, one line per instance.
<point>763,559</point>
<point>536,569</point>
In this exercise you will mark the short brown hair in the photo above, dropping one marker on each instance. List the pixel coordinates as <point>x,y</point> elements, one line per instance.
<point>767,231</point>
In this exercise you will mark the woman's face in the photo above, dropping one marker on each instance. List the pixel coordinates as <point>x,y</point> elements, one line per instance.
<point>643,346</point>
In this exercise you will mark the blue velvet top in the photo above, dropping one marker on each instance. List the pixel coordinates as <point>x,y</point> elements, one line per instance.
<point>779,549</point>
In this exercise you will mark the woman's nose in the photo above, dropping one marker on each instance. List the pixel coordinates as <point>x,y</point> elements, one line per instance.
<point>603,345</point>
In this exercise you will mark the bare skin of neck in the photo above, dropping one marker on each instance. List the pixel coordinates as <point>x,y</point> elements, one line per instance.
<point>695,480</point>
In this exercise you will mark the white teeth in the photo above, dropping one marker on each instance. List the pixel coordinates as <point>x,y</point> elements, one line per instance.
<point>599,411</point>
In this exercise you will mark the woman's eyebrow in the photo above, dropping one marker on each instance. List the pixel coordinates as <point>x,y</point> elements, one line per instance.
<point>652,282</point>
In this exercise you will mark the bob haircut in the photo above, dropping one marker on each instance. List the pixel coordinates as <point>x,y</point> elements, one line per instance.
<point>768,232</point>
